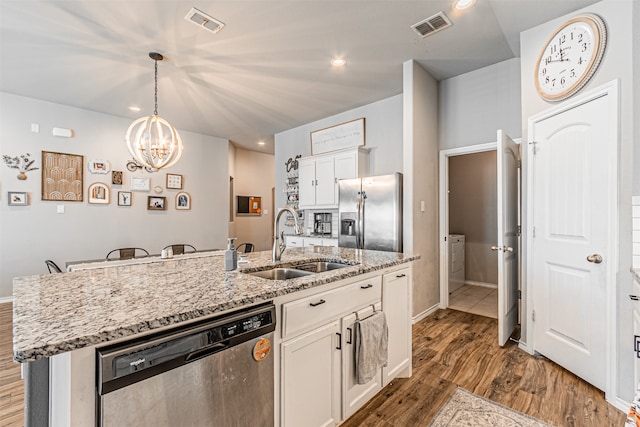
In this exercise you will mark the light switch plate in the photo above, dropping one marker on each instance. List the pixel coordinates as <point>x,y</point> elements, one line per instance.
<point>60,209</point>
<point>35,128</point>
<point>422,206</point>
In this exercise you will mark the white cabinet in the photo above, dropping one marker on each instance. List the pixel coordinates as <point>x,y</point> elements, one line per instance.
<point>294,241</point>
<point>320,241</point>
<point>396,303</point>
<point>310,388</point>
<point>319,176</point>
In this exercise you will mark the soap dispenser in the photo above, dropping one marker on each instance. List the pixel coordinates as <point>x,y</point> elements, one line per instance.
<point>231,256</point>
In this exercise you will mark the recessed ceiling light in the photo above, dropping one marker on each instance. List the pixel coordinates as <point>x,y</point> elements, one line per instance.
<point>463,4</point>
<point>134,108</point>
<point>339,62</point>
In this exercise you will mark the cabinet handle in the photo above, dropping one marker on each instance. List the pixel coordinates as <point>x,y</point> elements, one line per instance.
<point>634,297</point>
<point>401,275</point>
<point>367,286</point>
<point>339,347</point>
<point>315,304</point>
<point>312,183</point>
<point>636,345</point>
<point>350,340</point>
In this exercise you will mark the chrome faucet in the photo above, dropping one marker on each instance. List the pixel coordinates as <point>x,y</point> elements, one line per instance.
<point>278,248</point>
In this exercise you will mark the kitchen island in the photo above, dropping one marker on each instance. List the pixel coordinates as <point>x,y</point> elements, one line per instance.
<point>64,317</point>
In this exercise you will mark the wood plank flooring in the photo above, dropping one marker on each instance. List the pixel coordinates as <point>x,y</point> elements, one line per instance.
<point>450,348</point>
<point>11,385</point>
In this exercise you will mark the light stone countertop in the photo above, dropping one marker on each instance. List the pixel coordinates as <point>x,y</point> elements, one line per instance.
<point>57,313</point>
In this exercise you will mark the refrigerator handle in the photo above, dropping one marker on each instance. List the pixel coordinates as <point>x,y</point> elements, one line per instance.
<point>361,217</point>
<point>358,203</point>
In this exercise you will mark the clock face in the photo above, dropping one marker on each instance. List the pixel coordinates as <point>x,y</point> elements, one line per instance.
<point>570,57</point>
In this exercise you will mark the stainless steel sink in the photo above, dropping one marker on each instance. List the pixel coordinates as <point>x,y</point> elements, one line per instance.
<point>280,273</point>
<point>320,266</point>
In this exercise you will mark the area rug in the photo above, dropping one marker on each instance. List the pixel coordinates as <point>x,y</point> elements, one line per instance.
<point>465,409</point>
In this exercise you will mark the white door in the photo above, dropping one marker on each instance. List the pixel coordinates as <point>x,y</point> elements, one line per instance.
<point>507,247</point>
<point>574,196</point>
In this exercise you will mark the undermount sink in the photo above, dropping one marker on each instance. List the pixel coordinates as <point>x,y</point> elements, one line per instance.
<point>321,266</point>
<point>280,273</point>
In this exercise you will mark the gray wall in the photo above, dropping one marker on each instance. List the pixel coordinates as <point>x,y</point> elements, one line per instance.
<point>473,211</point>
<point>476,104</point>
<point>617,64</point>
<point>383,130</point>
<point>420,151</point>
<point>31,234</point>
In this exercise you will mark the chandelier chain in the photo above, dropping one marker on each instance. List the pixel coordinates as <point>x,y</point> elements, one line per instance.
<point>155,111</point>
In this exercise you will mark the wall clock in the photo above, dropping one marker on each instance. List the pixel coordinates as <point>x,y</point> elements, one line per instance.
<point>570,57</point>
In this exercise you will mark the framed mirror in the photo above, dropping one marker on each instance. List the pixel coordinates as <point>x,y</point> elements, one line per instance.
<point>248,205</point>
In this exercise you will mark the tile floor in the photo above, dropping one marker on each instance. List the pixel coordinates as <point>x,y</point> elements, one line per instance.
<point>475,299</point>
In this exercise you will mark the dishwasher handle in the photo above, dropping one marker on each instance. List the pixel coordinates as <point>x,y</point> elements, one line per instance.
<point>211,349</point>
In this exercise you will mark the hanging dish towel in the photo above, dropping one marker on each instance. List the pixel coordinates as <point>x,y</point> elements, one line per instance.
<point>371,340</point>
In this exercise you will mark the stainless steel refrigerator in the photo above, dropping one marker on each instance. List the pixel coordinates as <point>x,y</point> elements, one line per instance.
<point>370,213</point>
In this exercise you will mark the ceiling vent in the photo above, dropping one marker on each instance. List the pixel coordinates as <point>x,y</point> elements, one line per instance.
<point>203,20</point>
<point>432,24</point>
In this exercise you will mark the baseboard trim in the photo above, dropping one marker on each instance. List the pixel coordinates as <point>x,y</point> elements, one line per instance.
<point>425,313</point>
<point>619,403</point>
<point>483,284</point>
<point>6,299</point>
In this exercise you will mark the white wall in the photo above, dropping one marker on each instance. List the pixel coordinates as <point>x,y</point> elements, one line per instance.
<point>254,177</point>
<point>617,64</point>
<point>473,106</point>
<point>420,151</point>
<point>31,234</point>
<point>383,129</point>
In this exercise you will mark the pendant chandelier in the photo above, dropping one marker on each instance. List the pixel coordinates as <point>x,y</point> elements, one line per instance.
<point>152,140</point>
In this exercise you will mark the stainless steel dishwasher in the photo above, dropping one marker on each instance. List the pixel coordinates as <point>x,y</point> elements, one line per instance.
<point>213,373</point>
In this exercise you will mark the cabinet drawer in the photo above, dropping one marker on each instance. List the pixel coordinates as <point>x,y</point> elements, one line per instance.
<point>294,241</point>
<point>304,314</point>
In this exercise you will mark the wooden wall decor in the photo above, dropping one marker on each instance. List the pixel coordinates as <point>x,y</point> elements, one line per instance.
<point>62,176</point>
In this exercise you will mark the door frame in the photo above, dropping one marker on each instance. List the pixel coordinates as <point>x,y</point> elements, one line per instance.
<point>444,209</point>
<point>608,89</point>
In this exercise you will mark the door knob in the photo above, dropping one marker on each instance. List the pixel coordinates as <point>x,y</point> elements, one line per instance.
<point>507,248</point>
<point>595,258</point>
<point>495,248</point>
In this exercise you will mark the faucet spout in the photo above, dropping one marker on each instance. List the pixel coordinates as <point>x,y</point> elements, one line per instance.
<point>279,244</point>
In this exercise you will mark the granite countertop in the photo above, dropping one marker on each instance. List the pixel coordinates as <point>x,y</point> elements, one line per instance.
<point>56,313</point>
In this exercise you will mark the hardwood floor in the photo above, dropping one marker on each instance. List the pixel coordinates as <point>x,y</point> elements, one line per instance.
<point>450,349</point>
<point>11,386</point>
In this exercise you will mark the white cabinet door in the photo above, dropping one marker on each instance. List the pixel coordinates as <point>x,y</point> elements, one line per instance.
<point>310,388</point>
<point>354,395</point>
<point>325,178</point>
<point>346,167</point>
<point>396,293</point>
<point>307,182</point>
<point>312,241</point>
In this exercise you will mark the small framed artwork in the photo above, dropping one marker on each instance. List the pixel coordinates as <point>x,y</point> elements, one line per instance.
<point>116,177</point>
<point>17,198</point>
<point>124,198</point>
<point>99,193</point>
<point>140,184</point>
<point>99,166</point>
<point>174,181</point>
<point>183,201</point>
<point>156,203</point>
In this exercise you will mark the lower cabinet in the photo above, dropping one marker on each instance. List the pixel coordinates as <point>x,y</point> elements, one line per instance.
<point>310,387</point>
<point>318,384</point>
<point>396,303</point>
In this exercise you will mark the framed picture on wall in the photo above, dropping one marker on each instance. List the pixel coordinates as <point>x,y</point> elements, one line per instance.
<point>98,193</point>
<point>124,198</point>
<point>183,201</point>
<point>17,198</point>
<point>174,181</point>
<point>99,166</point>
<point>116,177</point>
<point>140,184</point>
<point>156,203</point>
<point>56,185</point>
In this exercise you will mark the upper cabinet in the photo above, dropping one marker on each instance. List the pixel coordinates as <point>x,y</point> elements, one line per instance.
<point>319,176</point>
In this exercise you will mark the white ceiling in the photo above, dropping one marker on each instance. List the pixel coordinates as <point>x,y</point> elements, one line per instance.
<point>268,69</point>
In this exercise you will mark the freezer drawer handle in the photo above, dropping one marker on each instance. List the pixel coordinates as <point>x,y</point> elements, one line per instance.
<point>367,286</point>
<point>315,304</point>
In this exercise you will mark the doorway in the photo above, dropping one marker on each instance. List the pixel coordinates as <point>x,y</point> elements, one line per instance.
<point>473,266</point>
